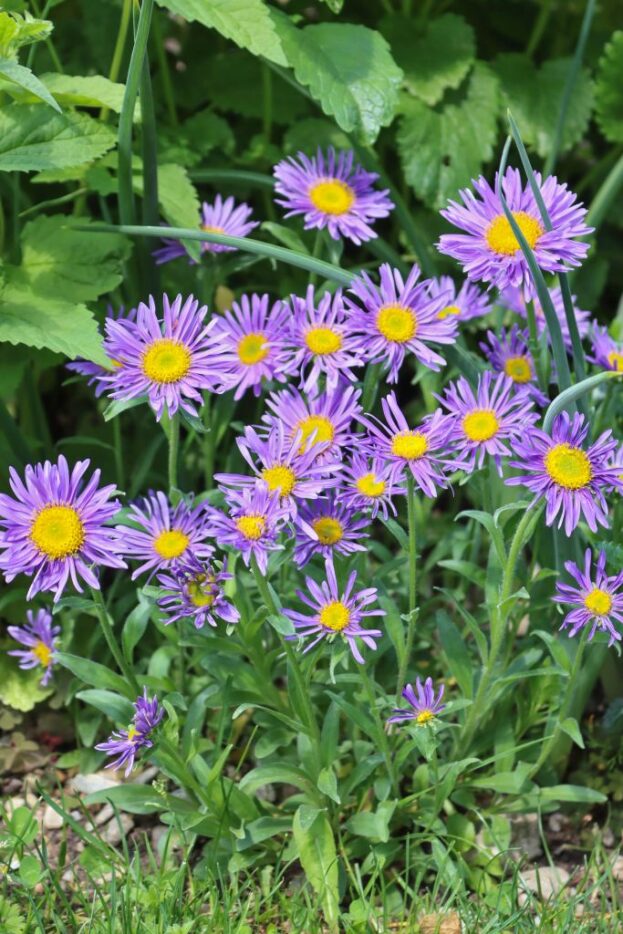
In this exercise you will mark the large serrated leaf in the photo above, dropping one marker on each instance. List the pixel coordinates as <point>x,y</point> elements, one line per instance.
<point>609,90</point>
<point>442,150</point>
<point>34,138</point>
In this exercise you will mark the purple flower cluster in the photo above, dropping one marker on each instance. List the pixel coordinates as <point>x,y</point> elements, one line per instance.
<point>125,744</point>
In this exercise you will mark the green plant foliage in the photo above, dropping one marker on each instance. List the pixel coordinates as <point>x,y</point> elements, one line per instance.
<point>17,31</point>
<point>608,90</point>
<point>20,690</point>
<point>316,850</point>
<point>19,77</point>
<point>31,141</point>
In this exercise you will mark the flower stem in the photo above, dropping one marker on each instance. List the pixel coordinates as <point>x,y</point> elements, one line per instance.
<point>174,443</point>
<point>382,735</point>
<point>412,558</point>
<point>113,645</point>
<point>208,441</point>
<point>118,445</point>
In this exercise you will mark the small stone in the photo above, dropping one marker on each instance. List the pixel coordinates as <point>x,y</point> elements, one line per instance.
<point>607,837</point>
<point>88,784</point>
<point>617,869</point>
<point>103,816</point>
<point>440,924</point>
<point>13,804</point>
<point>117,828</point>
<point>555,822</point>
<point>144,777</point>
<point>544,882</point>
<point>525,840</point>
<point>51,819</point>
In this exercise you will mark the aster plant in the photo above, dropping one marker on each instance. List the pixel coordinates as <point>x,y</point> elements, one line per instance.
<point>224,216</point>
<point>126,744</point>
<point>39,638</point>
<point>595,600</point>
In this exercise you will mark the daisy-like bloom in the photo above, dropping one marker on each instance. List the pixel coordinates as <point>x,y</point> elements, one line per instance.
<point>252,524</point>
<point>509,354</point>
<point>424,706</point>
<point>250,343</point>
<point>486,419</point>
<point>400,316</point>
<point>283,467</point>
<point>126,743</point>
<point>489,250</point>
<point>95,373</point>
<point>162,536</point>
<point>331,192</point>
<point>368,483</point>
<point>469,302</point>
<point>55,528</point>
<point>336,613</point>
<point>597,600</point>
<point>195,591</point>
<point>422,450</point>
<point>167,359</point>
<point>222,217</point>
<point>40,638</point>
<point>326,527</point>
<point>323,341</point>
<point>323,419</point>
<point>607,353</point>
<point>514,300</point>
<point>572,478</point>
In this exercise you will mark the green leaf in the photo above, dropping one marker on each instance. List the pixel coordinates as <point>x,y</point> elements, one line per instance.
<point>190,143</point>
<point>248,23</point>
<point>17,31</point>
<point>535,95</point>
<point>178,196</point>
<point>609,90</point>
<point>57,260</point>
<point>571,728</point>
<point>30,870</point>
<point>24,78</point>
<point>433,60</point>
<point>94,673</point>
<point>135,626</point>
<point>306,135</point>
<point>373,824</point>
<point>511,783</point>
<point>318,857</point>
<point>228,78</point>
<point>19,689</point>
<point>349,70</point>
<point>86,91</point>
<point>457,655</point>
<point>573,794</point>
<point>327,784</point>
<point>117,708</point>
<point>442,150</point>
<point>140,799</point>
<point>32,139</point>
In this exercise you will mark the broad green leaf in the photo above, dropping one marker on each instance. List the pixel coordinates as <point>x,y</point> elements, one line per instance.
<point>189,143</point>
<point>535,95</point>
<point>19,689</point>
<point>571,728</point>
<point>229,77</point>
<point>24,78</point>
<point>306,135</point>
<point>33,139</point>
<point>78,266</point>
<point>178,196</point>
<point>457,655</point>
<point>140,799</point>
<point>17,31</point>
<point>434,59</point>
<point>86,91</point>
<point>248,23</point>
<point>511,783</point>
<point>30,870</point>
<point>609,90</point>
<point>573,794</point>
<point>94,673</point>
<point>318,857</point>
<point>349,70</point>
<point>119,709</point>
<point>373,824</point>
<point>327,784</point>
<point>135,625</point>
<point>442,150</point>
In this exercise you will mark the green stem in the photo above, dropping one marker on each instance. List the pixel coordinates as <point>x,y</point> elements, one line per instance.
<point>381,734</point>
<point>164,72</point>
<point>208,442</point>
<point>174,443</point>
<point>316,251</point>
<point>533,343</point>
<point>370,386</point>
<point>606,195</point>
<point>113,645</point>
<point>267,101</point>
<point>539,27</point>
<point>412,558</point>
<point>117,56</point>
<point>118,446</point>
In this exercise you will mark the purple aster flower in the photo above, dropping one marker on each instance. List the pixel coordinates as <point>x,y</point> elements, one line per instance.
<point>95,373</point>
<point>252,523</point>
<point>195,591</point>
<point>469,302</point>
<point>514,300</point>
<point>326,527</point>
<point>596,602</point>
<point>222,217</point>
<point>126,743</point>
<point>322,419</point>
<point>607,353</point>
<point>486,419</point>
<point>331,192</point>
<point>369,483</point>
<point>250,343</point>
<point>422,450</point>
<point>163,536</point>
<point>424,705</point>
<point>336,613</point>
<point>509,354</point>
<point>322,340</point>
<point>399,316</point>
<point>489,250</point>
<point>570,477</point>
<point>55,527</point>
<point>166,359</point>
<point>286,470</point>
<point>40,638</point>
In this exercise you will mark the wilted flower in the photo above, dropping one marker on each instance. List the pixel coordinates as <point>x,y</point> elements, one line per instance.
<point>222,217</point>
<point>327,526</point>
<point>251,524</point>
<point>40,638</point>
<point>194,590</point>
<point>596,602</point>
<point>424,706</point>
<point>126,743</point>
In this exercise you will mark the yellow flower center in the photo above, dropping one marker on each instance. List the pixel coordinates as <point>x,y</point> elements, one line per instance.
<point>501,239</point>
<point>328,530</point>
<point>368,485</point>
<point>132,733</point>
<point>335,616</point>
<point>449,310</point>
<point>480,425</point>
<point>396,323</point>
<point>598,602</point>
<point>43,653</point>
<point>58,531</point>
<point>251,527</point>
<point>200,592</point>
<point>252,348</point>
<point>424,717</point>
<point>323,340</point>
<point>518,368</point>
<point>615,359</point>
<point>315,429</point>
<point>332,196</point>
<point>279,479</point>
<point>568,466</point>
<point>409,444</point>
<point>208,228</point>
<point>171,544</point>
<point>166,361</point>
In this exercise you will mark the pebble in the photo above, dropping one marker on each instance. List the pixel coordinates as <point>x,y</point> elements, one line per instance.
<point>526,841</point>
<point>103,816</point>
<point>440,924</point>
<point>88,784</point>
<point>113,832</point>
<point>547,880</point>
<point>51,820</point>
<point>617,868</point>
<point>13,804</point>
